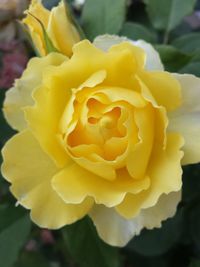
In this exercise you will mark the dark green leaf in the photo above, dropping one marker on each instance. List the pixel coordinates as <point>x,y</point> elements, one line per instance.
<point>172,58</point>
<point>32,259</point>
<point>14,229</point>
<point>158,241</point>
<point>192,68</point>
<point>167,14</point>
<point>103,16</point>
<point>189,43</point>
<point>86,247</point>
<point>137,31</point>
<point>195,263</point>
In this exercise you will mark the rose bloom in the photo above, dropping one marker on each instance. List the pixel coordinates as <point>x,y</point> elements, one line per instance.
<point>57,24</point>
<point>103,134</point>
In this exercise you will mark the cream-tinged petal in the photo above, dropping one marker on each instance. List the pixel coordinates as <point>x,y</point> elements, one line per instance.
<point>153,61</point>
<point>117,231</point>
<point>30,170</point>
<point>186,119</point>
<point>20,95</point>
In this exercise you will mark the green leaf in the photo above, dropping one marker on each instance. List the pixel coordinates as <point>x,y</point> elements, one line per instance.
<point>158,241</point>
<point>191,68</point>
<point>103,16</point>
<point>32,259</point>
<point>14,230</point>
<point>87,248</point>
<point>137,31</point>
<point>167,14</point>
<point>189,43</point>
<point>195,263</point>
<point>172,58</point>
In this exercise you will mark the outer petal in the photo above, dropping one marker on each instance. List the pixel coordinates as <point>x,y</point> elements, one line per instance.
<point>21,94</point>
<point>186,120</point>
<point>30,171</point>
<point>153,61</point>
<point>117,231</point>
<point>165,173</point>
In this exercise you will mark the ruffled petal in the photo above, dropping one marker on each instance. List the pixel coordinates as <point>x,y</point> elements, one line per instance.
<point>20,95</point>
<point>165,89</point>
<point>117,231</point>
<point>74,184</point>
<point>30,171</point>
<point>186,120</point>
<point>153,61</point>
<point>165,173</point>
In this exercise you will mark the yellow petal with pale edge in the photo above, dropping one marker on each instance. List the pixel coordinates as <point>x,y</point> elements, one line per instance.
<point>117,231</point>
<point>165,173</point>
<point>186,119</point>
<point>30,171</point>
<point>20,95</point>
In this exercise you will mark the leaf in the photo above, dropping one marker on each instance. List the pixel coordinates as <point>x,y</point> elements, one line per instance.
<point>32,259</point>
<point>14,230</point>
<point>137,31</point>
<point>103,16</point>
<point>172,58</point>
<point>189,43</point>
<point>195,263</point>
<point>167,14</point>
<point>158,241</point>
<point>192,68</point>
<point>87,248</point>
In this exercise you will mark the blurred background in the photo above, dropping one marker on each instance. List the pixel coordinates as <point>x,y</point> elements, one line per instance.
<point>173,27</point>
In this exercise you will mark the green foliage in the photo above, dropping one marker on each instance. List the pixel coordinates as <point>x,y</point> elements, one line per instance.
<point>189,43</point>
<point>137,31</point>
<point>14,231</point>
<point>86,247</point>
<point>195,263</point>
<point>167,14</point>
<point>172,58</point>
<point>32,259</point>
<point>100,17</point>
<point>158,241</point>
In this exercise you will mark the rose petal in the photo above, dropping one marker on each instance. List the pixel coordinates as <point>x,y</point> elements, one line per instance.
<point>186,120</point>
<point>117,231</point>
<point>30,171</point>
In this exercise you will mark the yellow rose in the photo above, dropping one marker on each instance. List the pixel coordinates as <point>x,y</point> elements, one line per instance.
<point>101,134</point>
<point>57,24</point>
